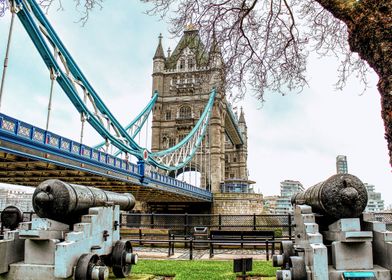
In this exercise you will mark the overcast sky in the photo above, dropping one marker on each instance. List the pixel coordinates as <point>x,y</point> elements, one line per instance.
<point>295,137</point>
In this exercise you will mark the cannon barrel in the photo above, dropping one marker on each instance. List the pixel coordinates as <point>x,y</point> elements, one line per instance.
<point>340,196</point>
<point>64,202</point>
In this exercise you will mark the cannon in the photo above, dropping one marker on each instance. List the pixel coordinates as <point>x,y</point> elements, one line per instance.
<point>333,239</point>
<point>340,196</point>
<point>76,234</point>
<point>66,203</point>
<point>11,217</point>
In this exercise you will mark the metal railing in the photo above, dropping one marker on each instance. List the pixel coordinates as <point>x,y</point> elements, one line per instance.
<point>185,223</point>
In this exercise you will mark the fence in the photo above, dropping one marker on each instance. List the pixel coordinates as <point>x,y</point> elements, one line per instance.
<point>384,217</point>
<point>185,223</point>
<point>282,224</point>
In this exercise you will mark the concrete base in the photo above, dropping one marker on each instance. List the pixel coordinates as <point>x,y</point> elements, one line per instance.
<point>352,255</point>
<point>380,272</point>
<point>22,271</point>
<point>11,250</point>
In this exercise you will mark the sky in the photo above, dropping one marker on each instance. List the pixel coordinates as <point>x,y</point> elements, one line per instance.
<point>296,136</point>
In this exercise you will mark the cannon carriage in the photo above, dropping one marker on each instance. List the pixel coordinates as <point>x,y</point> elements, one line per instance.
<point>334,239</point>
<point>76,234</point>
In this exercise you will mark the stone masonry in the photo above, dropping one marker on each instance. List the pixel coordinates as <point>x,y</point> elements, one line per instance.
<point>184,80</point>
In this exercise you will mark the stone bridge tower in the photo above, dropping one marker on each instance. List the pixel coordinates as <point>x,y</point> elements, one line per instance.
<point>184,79</point>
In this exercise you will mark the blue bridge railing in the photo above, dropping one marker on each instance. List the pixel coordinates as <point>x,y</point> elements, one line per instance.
<point>24,134</point>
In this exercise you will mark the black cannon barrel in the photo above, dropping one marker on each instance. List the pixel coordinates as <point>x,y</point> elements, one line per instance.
<point>340,196</point>
<point>11,217</point>
<point>64,202</point>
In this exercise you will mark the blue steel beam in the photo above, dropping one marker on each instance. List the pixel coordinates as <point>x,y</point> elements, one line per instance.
<point>22,135</point>
<point>36,36</point>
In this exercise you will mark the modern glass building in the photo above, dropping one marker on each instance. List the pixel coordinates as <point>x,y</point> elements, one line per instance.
<point>341,165</point>
<point>287,189</point>
<point>375,203</point>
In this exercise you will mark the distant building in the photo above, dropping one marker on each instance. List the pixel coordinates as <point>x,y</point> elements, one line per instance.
<point>270,204</point>
<point>375,203</point>
<point>341,165</point>
<point>19,198</point>
<point>287,189</point>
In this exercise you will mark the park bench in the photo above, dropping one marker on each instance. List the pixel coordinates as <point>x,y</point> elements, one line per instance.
<point>230,238</point>
<point>145,235</point>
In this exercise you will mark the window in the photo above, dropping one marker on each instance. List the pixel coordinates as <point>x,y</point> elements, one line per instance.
<point>191,63</point>
<point>185,112</point>
<point>165,142</point>
<point>172,142</point>
<point>168,115</point>
<point>182,63</point>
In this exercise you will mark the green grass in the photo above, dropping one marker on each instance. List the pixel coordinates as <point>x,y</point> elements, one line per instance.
<point>196,270</point>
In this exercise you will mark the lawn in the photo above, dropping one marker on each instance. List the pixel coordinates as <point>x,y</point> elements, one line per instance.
<point>196,270</point>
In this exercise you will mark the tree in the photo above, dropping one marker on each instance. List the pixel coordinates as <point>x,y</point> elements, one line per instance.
<point>265,44</point>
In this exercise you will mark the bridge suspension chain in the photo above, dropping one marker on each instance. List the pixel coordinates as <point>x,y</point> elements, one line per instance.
<point>89,104</point>
<point>53,77</point>
<point>13,9</point>
<point>134,127</point>
<point>71,79</point>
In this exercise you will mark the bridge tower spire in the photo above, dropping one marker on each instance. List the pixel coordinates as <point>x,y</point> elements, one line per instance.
<point>159,60</point>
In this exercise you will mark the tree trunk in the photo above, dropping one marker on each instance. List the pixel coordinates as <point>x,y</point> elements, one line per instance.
<point>370,35</point>
<point>385,88</point>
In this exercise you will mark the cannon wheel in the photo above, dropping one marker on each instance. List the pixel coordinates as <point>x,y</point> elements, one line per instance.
<point>288,251</point>
<point>298,269</point>
<point>85,265</point>
<point>120,268</point>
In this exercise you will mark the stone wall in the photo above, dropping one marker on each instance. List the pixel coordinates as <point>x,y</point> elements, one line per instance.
<point>237,203</point>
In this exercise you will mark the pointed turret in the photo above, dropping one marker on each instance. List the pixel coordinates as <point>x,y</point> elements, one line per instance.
<point>242,117</point>
<point>243,127</point>
<point>159,60</point>
<point>216,60</point>
<point>159,51</point>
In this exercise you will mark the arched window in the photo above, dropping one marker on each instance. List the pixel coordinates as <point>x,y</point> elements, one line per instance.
<point>165,142</point>
<point>185,112</point>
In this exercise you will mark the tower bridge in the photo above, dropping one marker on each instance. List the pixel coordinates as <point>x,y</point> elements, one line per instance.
<point>183,79</point>
<point>193,129</point>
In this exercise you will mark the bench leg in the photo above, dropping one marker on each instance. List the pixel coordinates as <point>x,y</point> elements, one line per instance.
<point>191,249</point>
<point>273,247</point>
<point>266,250</point>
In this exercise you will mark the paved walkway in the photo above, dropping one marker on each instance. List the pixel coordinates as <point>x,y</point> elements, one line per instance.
<point>201,254</point>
